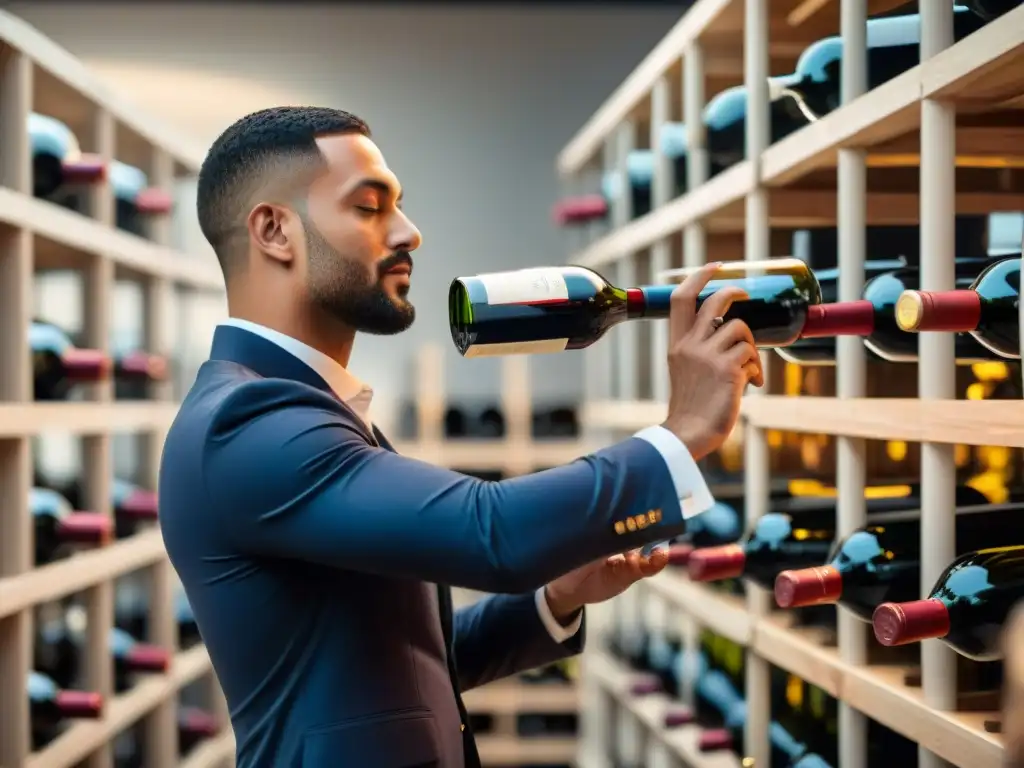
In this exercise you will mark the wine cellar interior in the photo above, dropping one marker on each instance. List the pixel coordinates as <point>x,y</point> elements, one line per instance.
<point>880,142</point>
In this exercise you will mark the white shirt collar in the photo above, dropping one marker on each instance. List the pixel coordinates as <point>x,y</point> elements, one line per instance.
<point>347,387</point>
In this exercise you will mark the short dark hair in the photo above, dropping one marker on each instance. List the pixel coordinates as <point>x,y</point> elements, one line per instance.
<point>247,151</point>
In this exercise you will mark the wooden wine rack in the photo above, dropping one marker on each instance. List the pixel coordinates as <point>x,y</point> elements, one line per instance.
<point>723,43</point>
<point>38,76</point>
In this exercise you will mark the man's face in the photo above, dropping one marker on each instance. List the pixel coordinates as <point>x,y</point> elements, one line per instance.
<point>358,240</point>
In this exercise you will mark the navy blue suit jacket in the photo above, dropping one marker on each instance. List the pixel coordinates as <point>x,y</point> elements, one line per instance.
<point>311,554</point>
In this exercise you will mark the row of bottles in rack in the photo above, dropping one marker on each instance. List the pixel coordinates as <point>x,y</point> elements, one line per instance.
<point>470,418</point>
<point>63,174</point>
<point>57,683</point>
<point>706,687</point>
<point>60,365</point>
<point>874,572</point>
<point>808,94</point>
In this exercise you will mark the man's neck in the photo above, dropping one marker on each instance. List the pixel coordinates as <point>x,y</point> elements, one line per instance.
<point>322,333</point>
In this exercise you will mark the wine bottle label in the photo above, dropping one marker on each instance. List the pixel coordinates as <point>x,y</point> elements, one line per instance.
<point>542,347</point>
<point>525,286</point>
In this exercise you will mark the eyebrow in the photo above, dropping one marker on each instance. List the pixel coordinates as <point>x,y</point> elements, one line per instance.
<point>379,185</point>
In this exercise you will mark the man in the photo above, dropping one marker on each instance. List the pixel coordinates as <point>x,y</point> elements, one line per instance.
<point>317,561</point>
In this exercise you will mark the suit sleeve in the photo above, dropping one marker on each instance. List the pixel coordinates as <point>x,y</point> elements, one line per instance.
<point>291,477</point>
<point>501,635</point>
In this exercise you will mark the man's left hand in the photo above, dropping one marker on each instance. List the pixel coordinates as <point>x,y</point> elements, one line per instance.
<point>600,581</point>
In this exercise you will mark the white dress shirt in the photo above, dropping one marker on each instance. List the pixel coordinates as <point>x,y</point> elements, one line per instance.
<point>694,495</point>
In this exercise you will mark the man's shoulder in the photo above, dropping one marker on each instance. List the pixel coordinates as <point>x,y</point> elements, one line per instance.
<point>227,396</point>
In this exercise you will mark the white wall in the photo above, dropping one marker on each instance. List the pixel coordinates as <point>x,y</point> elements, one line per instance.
<point>469,105</point>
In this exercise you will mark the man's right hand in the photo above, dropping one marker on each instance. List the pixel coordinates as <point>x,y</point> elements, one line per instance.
<point>709,366</point>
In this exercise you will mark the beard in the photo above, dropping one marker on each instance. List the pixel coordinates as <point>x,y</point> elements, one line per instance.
<point>349,292</point>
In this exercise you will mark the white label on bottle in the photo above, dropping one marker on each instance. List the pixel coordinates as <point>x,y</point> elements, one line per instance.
<point>542,347</point>
<point>525,286</point>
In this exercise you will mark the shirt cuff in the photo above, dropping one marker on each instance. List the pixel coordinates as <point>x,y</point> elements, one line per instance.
<point>694,495</point>
<point>558,633</point>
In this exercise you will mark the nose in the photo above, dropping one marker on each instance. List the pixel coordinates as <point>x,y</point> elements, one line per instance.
<point>404,236</point>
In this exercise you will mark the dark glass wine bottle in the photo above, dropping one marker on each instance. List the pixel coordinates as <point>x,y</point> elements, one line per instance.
<point>813,89</point>
<point>721,524</point>
<point>139,365</point>
<point>57,159</point>
<point>50,706</point>
<point>553,309</point>
<point>57,364</point>
<point>988,10</point>
<point>965,609</point>
<point>989,309</point>
<point>639,175</point>
<point>131,613</point>
<point>799,539</point>
<point>195,725</point>
<point>881,563</point>
<point>884,339</point>
<point>135,201</point>
<point>57,525</point>
<point>60,644</point>
<point>718,690</point>
<point>132,505</point>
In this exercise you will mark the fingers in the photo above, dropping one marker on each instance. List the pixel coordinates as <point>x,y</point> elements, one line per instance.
<point>755,373</point>
<point>684,302</point>
<point>737,341</point>
<point>732,333</point>
<point>717,305</point>
<point>653,563</point>
<point>635,566</point>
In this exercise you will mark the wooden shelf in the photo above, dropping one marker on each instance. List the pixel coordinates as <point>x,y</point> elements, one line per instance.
<point>504,697</point>
<point>65,239</point>
<point>967,422</point>
<point>84,418</point>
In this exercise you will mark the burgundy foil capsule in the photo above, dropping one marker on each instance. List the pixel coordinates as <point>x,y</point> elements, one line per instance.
<point>142,365</point>
<point>842,318</point>
<point>140,504</point>
<point>87,169</point>
<point>85,528</point>
<point>679,716</point>
<point>808,586</point>
<point>717,563</point>
<point>153,201</point>
<point>198,722</point>
<point>578,210</point>
<point>644,686</point>
<point>714,740</point>
<point>85,364</point>
<point>910,622</point>
<point>83,705</point>
<point>144,657</point>
<point>956,311</point>
<point>679,555</point>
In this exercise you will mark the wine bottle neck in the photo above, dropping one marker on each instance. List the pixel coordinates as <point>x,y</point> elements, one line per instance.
<point>651,301</point>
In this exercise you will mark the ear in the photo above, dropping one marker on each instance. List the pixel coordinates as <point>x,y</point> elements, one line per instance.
<point>268,230</point>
